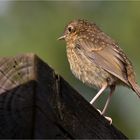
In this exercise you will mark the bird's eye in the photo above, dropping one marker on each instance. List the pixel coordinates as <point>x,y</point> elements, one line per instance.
<point>70,29</point>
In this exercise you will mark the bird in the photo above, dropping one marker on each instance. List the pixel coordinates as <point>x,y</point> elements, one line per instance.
<point>97,60</point>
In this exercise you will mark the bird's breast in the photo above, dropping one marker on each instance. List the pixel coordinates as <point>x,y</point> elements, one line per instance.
<point>84,69</point>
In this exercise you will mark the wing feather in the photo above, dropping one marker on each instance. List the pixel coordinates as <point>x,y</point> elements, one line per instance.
<point>106,57</point>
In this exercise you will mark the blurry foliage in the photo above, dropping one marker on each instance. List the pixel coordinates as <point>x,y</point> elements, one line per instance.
<point>35,26</point>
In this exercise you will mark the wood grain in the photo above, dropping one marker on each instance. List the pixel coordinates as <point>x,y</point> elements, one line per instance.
<point>35,102</point>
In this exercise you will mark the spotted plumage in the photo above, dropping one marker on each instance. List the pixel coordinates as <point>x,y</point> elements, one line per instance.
<point>96,59</point>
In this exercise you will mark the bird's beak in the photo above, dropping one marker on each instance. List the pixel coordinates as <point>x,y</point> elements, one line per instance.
<point>61,37</point>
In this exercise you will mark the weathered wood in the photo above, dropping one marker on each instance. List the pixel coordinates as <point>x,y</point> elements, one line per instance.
<point>37,103</point>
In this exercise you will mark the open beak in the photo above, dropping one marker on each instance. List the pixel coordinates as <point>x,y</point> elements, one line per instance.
<point>61,37</point>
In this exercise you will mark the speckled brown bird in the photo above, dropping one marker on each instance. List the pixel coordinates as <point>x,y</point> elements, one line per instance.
<point>96,59</point>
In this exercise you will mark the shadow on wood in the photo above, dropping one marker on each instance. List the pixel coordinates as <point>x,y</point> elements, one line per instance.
<point>37,103</point>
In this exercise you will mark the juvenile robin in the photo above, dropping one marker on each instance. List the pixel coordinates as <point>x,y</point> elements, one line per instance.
<point>97,60</point>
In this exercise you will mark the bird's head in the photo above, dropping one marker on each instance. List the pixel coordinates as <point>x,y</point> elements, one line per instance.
<point>77,28</point>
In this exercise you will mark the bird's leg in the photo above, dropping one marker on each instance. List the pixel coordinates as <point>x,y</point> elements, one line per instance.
<point>99,93</point>
<point>112,88</point>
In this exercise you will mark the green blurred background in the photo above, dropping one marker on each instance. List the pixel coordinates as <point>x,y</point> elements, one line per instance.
<point>34,27</point>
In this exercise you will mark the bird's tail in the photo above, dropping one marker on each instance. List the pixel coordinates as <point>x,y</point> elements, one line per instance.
<point>136,88</point>
<point>134,85</point>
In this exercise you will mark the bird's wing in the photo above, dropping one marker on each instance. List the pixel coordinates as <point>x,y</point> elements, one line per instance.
<point>105,56</point>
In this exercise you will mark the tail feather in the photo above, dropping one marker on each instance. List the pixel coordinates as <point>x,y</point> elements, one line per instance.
<point>136,88</point>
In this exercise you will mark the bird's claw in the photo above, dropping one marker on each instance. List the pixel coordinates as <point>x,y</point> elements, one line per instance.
<point>107,118</point>
<point>99,111</point>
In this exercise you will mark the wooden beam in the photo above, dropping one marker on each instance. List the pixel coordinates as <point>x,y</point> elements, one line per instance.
<point>37,103</point>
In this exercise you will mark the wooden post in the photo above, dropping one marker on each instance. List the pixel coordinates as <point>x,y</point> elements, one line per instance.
<point>37,103</point>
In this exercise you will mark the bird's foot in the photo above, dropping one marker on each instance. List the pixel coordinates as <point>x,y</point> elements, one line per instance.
<point>107,118</point>
<point>99,111</point>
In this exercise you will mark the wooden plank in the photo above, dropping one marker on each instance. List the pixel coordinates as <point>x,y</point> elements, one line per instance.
<point>37,103</point>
